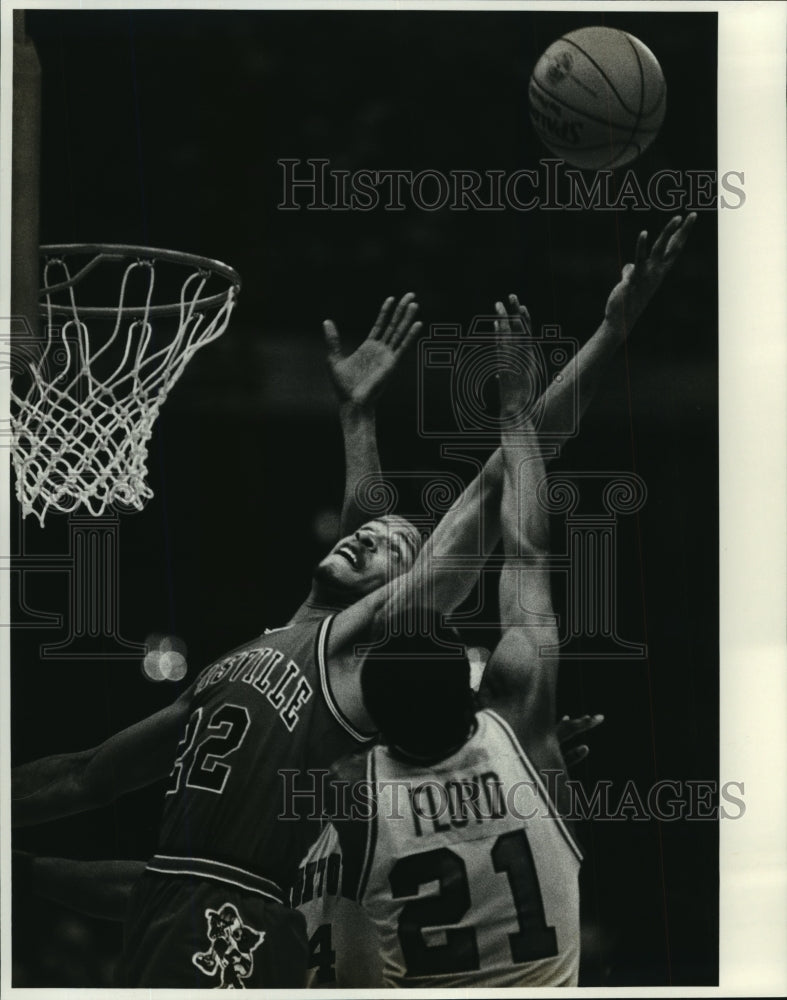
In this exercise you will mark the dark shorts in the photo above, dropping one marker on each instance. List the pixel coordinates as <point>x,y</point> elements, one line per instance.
<point>183,932</point>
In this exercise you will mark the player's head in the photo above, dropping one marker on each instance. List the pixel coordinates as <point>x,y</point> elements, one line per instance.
<point>377,552</point>
<point>417,692</point>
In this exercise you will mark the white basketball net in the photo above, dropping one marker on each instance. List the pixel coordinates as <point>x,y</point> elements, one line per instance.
<point>81,432</point>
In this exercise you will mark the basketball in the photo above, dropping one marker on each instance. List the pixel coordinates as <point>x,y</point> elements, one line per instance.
<point>597,98</point>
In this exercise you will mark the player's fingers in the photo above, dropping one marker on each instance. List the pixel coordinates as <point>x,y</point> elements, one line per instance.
<point>332,338</point>
<point>626,272</point>
<point>502,324</point>
<point>514,317</point>
<point>567,728</point>
<point>641,250</point>
<point>398,312</point>
<point>379,324</point>
<point>519,314</point>
<point>404,325</point>
<point>678,239</point>
<point>575,755</point>
<point>664,236</point>
<point>409,336</point>
<point>592,721</point>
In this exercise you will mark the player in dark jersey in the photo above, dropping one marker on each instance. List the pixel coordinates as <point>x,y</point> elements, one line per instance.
<point>438,583</point>
<point>461,860</point>
<point>426,934</point>
<point>210,907</point>
<point>208,932</point>
<point>344,946</point>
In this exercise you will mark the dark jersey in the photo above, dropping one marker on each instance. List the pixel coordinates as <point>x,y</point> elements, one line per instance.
<point>263,725</point>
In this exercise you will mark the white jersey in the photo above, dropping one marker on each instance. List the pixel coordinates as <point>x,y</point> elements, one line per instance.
<point>464,867</point>
<point>344,951</point>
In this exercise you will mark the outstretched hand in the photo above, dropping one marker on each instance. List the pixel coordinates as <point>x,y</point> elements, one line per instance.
<point>358,378</point>
<point>639,281</point>
<point>513,329</point>
<point>513,320</point>
<point>568,729</point>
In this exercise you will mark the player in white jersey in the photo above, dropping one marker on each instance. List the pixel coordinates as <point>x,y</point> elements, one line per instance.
<point>344,947</point>
<point>344,944</point>
<point>450,840</point>
<point>222,850</point>
<point>365,564</point>
<point>502,870</point>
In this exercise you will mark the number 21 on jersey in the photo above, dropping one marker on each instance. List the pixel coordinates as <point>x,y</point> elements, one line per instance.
<point>511,855</point>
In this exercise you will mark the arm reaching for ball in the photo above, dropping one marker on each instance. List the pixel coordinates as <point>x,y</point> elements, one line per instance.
<point>440,578</point>
<point>640,281</point>
<point>566,399</point>
<point>358,379</point>
<point>638,284</point>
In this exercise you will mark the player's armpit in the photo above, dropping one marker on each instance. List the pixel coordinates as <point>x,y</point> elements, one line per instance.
<point>52,787</point>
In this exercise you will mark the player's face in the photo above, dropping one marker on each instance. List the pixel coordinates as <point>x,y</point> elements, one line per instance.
<point>360,563</point>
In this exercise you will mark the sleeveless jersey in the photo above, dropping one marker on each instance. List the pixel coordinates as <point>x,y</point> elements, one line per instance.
<point>344,951</point>
<point>464,866</point>
<point>244,798</point>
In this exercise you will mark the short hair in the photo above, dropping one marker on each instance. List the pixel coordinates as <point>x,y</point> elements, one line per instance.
<point>416,689</point>
<point>408,529</point>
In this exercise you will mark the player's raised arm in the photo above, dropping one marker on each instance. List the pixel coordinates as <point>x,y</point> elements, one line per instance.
<point>441,577</point>
<point>568,397</point>
<point>521,676</point>
<point>358,379</point>
<point>62,785</point>
<point>438,580</point>
<point>627,301</point>
<point>446,568</point>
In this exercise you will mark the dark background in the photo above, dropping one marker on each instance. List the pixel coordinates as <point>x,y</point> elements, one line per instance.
<point>164,128</point>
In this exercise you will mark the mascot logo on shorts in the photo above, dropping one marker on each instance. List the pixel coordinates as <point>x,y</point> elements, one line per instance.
<point>231,945</point>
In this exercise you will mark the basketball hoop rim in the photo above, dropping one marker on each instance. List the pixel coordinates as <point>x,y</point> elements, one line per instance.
<point>121,251</point>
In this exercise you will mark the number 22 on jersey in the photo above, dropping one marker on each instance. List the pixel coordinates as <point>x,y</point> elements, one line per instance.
<point>201,761</point>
